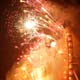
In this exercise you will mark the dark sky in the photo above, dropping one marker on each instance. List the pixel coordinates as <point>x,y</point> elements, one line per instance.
<point>8,54</point>
<point>7,51</point>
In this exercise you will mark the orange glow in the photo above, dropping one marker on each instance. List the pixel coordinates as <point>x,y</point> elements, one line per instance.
<point>70,72</point>
<point>70,78</point>
<point>60,51</point>
<point>41,59</point>
<point>22,1</point>
<point>70,66</point>
<point>40,64</point>
<point>65,77</point>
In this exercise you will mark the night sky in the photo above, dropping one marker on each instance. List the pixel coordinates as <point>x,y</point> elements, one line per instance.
<point>8,53</point>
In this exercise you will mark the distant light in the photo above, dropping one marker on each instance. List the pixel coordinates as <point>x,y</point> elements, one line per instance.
<point>40,18</point>
<point>53,44</point>
<point>25,56</point>
<point>64,72</point>
<point>18,59</point>
<point>21,56</point>
<point>64,60</point>
<point>60,51</point>
<point>70,66</point>
<point>15,75</point>
<point>69,54</point>
<point>67,34</point>
<point>37,0</point>
<point>22,1</point>
<point>46,15</point>
<point>24,11</point>
<point>65,77</point>
<point>30,24</point>
<point>49,21</point>
<point>16,47</point>
<point>70,78</point>
<point>70,72</point>
<point>23,68</point>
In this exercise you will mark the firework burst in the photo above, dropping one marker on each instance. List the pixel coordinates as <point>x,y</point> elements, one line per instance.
<point>35,32</point>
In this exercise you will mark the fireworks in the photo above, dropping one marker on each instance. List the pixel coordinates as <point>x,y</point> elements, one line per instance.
<point>37,35</point>
<point>30,21</point>
<point>30,24</point>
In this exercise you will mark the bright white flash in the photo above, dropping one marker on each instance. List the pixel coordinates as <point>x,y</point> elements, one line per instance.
<point>30,24</point>
<point>43,9</point>
<point>53,44</point>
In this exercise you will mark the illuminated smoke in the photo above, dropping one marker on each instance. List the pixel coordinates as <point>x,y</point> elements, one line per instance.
<point>38,36</point>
